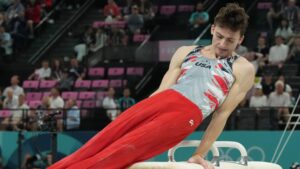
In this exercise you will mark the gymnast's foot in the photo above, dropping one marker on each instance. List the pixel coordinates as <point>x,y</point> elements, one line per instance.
<point>199,160</point>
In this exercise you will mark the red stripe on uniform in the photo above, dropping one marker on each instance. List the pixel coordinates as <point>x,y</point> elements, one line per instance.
<point>212,98</point>
<point>222,84</point>
<point>192,57</point>
<point>181,73</point>
<point>220,65</point>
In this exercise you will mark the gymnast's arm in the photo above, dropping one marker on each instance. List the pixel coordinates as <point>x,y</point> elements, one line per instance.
<point>174,68</point>
<point>244,77</point>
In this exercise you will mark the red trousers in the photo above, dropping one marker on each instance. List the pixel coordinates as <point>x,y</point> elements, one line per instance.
<point>145,130</point>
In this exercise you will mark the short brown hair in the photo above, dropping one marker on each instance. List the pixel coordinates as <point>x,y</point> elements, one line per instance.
<point>233,17</point>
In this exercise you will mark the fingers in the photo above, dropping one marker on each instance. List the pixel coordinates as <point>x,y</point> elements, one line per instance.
<point>206,165</point>
<point>210,166</point>
<point>200,161</point>
<point>191,160</point>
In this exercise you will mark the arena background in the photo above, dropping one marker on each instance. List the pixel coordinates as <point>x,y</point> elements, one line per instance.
<point>134,59</point>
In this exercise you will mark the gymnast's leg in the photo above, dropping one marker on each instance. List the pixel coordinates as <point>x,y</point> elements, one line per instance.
<point>138,115</point>
<point>146,141</point>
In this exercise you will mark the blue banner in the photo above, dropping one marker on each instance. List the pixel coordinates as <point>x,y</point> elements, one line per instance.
<point>260,146</point>
<point>39,143</point>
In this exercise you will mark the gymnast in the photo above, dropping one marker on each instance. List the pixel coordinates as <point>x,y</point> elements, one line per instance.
<point>201,80</point>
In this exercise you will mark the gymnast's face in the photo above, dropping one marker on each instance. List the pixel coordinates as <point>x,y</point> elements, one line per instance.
<point>225,41</point>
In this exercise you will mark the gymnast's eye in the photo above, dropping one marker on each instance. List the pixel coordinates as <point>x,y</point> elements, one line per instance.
<point>219,37</point>
<point>230,40</point>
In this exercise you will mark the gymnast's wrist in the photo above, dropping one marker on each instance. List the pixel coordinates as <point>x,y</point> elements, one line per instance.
<point>199,154</point>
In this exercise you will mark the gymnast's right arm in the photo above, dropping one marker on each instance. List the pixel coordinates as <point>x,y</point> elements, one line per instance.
<point>174,68</point>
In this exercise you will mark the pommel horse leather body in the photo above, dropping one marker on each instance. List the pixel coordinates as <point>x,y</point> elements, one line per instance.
<point>243,164</point>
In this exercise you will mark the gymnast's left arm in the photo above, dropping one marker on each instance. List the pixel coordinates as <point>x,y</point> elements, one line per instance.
<point>244,77</point>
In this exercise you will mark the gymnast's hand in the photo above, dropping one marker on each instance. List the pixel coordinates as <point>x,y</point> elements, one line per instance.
<point>199,160</point>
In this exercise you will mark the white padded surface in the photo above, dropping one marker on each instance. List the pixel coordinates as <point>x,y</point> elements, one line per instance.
<point>185,165</point>
<point>262,165</point>
<point>165,165</point>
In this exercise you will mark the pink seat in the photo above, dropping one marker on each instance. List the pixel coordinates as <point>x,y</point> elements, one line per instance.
<point>264,5</point>
<point>83,84</point>
<point>5,113</point>
<point>116,71</point>
<point>135,71</point>
<point>46,84</point>
<point>87,95</point>
<point>98,24</point>
<point>96,72</point>
<point>99,83</point>
<point>32,96</point>
<point>100,95</point>
<point>78,103</point>
<point>186,8</point>
<point>69,95</point>
<point>138,38</point>
<point>118,24</point>
<point>30,84</point>
<point>88,104</point>
<point>34,104</point>
<point>117,83</point>
<point>99,103</point>
<point>46,94</point>
<point>167,9</point>
<point>99,98</point>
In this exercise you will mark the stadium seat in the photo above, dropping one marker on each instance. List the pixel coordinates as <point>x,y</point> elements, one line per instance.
<point>167,10</point>
<point>135,71</point>
<point>116,71</point>
<point>186,8</point>
<point>33,96</point>
<point>69,95</point>
<point>100,84</point>
<point>46,94</point>
<point>47,84</point>
<point>34,104</point>
<point>88,104</point>
<point>117,83</point>
<point>78,103</point>
<point>100,95</point>
<point>96,72</point>
<point>87,95</point>
<point>30,84</point>
<point>5,113</point>
<point>82,84</point>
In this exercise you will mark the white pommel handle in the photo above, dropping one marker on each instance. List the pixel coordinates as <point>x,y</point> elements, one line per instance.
<point>194,143</point>
<point>236,145</point>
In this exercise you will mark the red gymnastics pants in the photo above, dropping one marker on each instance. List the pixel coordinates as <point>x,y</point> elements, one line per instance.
<point>145,130</point>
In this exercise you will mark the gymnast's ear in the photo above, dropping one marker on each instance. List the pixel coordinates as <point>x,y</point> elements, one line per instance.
<point>241,40</point>
<point>212,29</point>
